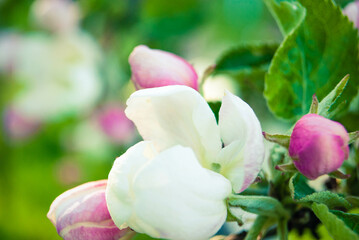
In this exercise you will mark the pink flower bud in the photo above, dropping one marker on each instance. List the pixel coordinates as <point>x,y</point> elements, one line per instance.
<point>157,68</point>
<point>114,123</point>
<point>81,213</point>
<point>318,145</point>
<point>352,11</point>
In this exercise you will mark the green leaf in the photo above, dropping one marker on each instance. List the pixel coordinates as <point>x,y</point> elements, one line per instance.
<point>247,64</point>
<point>246,57</point>
<point>312,58</point>
<point>299,187</point>
<point>350,219</point>
<point>261,205</point>
<point>288,14</point>
<point>335,226</point>
<point>354,200</point>
<point>328,105</point>
<point>328,198</point>
<point>301,192</point>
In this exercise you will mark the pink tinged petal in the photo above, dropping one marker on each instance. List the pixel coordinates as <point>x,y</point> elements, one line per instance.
<point>157,68</point>
<point>82,210</point>
<point>352,11</point>
<point>318,145</point>
<point>243,155</point>
<point>176,115</point>
<point>86,231</point>
<point>173,196</point>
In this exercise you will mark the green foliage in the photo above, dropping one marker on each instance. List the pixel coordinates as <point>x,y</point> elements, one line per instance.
<point>246,56</point>
<point>354,201</point>
<point>257,228</point>
<point>329,105</point>
<point>247,63</point>
<point>301,192</point>
<point>261,205</point>
<point>328,198</point>
<point>350,219</point>
<point>299,187</point>
<point>288,14</point>
<point>314,55</point>
<point>335,225</point>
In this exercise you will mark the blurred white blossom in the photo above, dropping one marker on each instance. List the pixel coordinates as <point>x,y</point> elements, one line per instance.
<point>59,16</point>
<point>53,76</point>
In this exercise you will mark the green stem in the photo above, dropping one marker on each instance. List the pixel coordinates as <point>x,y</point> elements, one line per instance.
<point>257,228</point>
<point>282,229</point>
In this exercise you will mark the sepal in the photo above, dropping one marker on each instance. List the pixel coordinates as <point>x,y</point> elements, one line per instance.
<point>288,167</point>
<point>280,139</point>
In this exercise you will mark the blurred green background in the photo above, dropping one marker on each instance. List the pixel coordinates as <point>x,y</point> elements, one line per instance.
<point>65,77</point>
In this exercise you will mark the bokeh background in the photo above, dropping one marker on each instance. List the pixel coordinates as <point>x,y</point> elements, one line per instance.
<point>65,78</point>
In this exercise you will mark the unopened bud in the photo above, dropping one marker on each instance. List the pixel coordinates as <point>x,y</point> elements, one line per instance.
<point>318,145</point>
<point>81,214</point>
<point>157,68</point>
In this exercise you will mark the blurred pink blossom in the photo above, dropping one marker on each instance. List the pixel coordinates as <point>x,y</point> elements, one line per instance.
<point>18,126</point>
<point>115,124</point>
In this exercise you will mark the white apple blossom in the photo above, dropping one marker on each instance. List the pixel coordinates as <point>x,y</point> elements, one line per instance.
<point>166,186</point>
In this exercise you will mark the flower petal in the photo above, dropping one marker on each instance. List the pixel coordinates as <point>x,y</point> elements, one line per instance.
<point>243,155</point>
<point>176,115</point>
<point>179,198</point>
<point>157,68</point>
<point>81,213</point>
<point>118,192</point>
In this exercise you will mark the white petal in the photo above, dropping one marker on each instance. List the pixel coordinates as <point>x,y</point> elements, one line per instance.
<point>243,155</point>
<point>176,115</point>
<point>118,193</point>
<point>176,198</point>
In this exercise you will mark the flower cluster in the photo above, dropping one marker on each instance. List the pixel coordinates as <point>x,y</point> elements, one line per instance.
<point>175,183</point>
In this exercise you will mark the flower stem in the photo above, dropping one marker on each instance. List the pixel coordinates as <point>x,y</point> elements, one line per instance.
<point>255,232</point>
<point>282,229</point>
